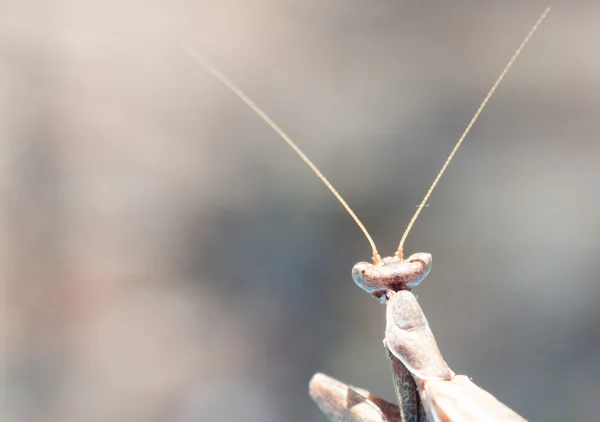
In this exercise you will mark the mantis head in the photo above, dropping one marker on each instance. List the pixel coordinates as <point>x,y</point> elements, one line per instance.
<point>391,274</point>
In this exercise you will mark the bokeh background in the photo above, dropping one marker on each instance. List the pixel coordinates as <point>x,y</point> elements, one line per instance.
<point>165,257</point>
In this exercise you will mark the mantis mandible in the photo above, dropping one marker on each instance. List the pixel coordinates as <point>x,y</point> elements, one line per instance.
<point>427,388</point>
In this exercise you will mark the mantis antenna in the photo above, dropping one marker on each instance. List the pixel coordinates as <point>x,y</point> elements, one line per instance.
<point>265,117</point>
<point>466,131</point>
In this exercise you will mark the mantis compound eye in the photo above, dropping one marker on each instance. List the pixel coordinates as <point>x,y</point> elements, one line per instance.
<point>417,267</point>
<point>368,277</point>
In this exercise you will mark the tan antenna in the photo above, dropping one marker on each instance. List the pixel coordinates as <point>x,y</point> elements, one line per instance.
<point>227,82</point>
<point>469,126</point>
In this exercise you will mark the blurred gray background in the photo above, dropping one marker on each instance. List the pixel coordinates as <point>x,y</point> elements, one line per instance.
<point>165,257</point>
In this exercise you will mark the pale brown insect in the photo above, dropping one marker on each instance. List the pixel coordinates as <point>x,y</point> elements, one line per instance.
<point>417,363</point>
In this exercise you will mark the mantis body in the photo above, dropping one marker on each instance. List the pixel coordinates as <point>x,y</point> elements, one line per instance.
<point>427,389</point>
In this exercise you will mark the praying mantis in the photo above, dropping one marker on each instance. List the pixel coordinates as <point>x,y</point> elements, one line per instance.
<point>427,389</point>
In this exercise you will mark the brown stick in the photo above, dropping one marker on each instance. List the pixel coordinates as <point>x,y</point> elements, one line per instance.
<point>409,404</point>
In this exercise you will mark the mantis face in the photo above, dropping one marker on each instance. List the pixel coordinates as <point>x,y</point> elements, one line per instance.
<point>391,273</point>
